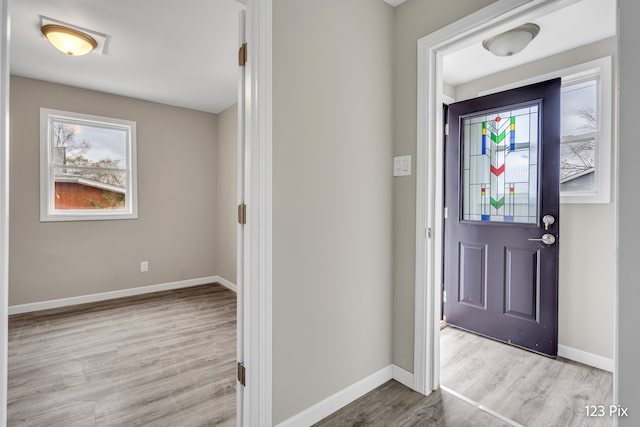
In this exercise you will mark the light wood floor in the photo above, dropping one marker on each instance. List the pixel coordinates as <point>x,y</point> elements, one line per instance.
<point>529,389</point>
<point>393,404</point>
<point>162,359</point>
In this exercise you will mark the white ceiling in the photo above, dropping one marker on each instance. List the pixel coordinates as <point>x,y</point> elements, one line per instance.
<point>181,53</point>
<point>185,53</point>
<point>579,24</point>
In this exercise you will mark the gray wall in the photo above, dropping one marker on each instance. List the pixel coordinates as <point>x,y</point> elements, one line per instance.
<point>413,20</point>
<point>332,182</point>
<point>226,202</point>
<point>175,230</point>
<point>587,260</point>
<point>629,205</point>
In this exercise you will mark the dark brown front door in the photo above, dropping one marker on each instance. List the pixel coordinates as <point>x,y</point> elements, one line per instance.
<point>502,192</point>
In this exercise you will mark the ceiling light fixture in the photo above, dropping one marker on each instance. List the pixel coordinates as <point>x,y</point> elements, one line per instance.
<point>67,40</point>
<point>512,41</point>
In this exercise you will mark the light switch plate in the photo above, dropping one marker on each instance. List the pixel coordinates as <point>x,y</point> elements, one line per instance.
<point>402,165</point>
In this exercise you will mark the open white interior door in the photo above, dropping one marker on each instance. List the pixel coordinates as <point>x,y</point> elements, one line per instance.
<point>241,165</point>
<point>254,237</point>
<point>4,203</point>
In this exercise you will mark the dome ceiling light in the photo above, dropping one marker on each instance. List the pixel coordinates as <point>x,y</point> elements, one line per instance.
<point>512,41</point>
<point>67,40</point>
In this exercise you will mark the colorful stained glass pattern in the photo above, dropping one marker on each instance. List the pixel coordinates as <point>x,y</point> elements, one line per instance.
<point>500,173</point>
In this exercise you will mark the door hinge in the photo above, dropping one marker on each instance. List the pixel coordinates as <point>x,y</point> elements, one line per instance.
<point>429,233</point>
<point>444,296</point>
<point>242,55</point>
<point>242,374</point>
<point>242,214</point>
<point>446,213</point>
<point>446,129</point>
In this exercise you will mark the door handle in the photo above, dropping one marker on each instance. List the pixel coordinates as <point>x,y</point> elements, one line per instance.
<point>547,239</point>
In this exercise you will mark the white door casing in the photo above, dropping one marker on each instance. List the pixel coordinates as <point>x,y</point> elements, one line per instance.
<point>499,16</point>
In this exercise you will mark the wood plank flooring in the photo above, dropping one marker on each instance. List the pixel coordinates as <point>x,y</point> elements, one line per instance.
<point>162,359</point>
<point>393,404</point>
<point>530,389</point>
<point>527,388</point>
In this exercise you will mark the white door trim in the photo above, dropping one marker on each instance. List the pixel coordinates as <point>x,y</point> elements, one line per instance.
<point>497,17</point>
<point>257,403</point>
<point>4,203</point>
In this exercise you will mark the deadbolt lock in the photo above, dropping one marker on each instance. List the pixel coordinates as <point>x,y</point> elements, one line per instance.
<point>548,220</point>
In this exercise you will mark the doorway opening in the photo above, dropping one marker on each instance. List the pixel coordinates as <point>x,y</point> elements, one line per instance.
<point>202,125</point>
<point>449,45</point>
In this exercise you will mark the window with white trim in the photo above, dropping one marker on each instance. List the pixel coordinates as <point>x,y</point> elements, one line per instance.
<point>586,134</point>
<point>87,167</point>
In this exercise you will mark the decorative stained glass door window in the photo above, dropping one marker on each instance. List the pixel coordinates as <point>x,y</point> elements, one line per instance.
<point>500,165</point>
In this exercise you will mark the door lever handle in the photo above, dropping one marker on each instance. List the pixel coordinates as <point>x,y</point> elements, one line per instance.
<point>547,239</point>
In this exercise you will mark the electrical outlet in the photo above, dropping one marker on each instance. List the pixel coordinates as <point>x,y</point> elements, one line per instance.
<point>144,266</point>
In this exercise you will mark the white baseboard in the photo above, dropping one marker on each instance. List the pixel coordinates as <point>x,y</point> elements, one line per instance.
<point>103,296</point>
<point>339,400</point>
<point>585,357</point>
<point>342,398</point>
<point>404,377</point>
<point>227,284</point>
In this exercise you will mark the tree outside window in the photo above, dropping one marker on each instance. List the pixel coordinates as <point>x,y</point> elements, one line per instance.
<point>579,136</point>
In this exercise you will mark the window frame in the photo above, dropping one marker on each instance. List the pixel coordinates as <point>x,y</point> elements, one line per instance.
<point>600,70</point>
<point>48,212</point>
